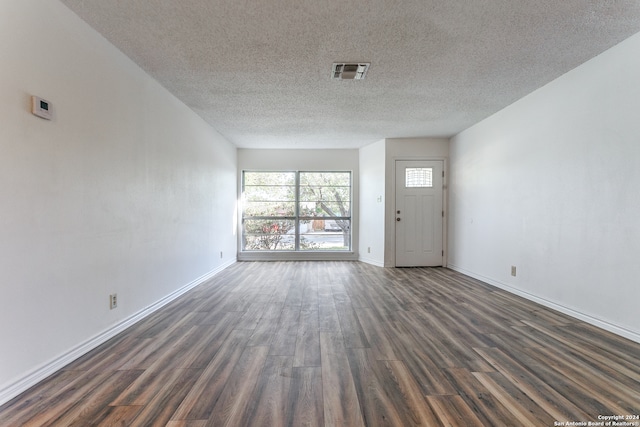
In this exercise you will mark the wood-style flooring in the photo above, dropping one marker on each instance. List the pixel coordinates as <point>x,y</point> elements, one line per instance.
<point>343,344</point>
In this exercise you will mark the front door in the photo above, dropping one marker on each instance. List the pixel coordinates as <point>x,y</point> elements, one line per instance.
<point>419,213</point>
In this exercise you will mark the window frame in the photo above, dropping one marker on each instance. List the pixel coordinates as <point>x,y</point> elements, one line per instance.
<point>297,218</point>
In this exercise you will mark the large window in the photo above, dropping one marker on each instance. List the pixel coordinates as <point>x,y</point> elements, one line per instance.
<point>296,211</point>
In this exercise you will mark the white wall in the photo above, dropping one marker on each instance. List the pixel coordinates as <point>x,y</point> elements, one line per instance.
<point>304,160</point>
<point>550,185</point>
<point>125,190</point>
<point>407,149</point>
<point>372,202</point>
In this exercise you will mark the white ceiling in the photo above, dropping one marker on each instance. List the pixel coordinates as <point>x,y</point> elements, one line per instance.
<point>259,71</point>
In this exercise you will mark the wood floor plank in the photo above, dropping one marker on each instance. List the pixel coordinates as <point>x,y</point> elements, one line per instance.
<point>556,405</point>
<point>166,399</point>
<point>50,406</point>
<point>516,337</point>
<point>156,348</point>
<point>110,356</point>
<point>269,401</point>
<point>328,317</point>
<point>145,387</point>
<point>487,408</point>
<point>87,410</point>
<point>325,295</point>
<point>452,411</point>
<point>406,394</point>
<point>170,323</point>
<point>307,350</point>
<point>202,397</point>
<point>38,398</point>
<point>578,387</point>
<point>310,292</point>
<point>341,405</point>
<point>378,409</point>
<point>523,410</point>
<point>212,338</point>
<point>342,344</point>
<point>352,332</point>
<point>306,404</point>
<point>281,292</point>
<point>430,339</point>
<point>197,423</point>
<point>424,369</point>
<point>252,315</point>
<point>340,295</point>
<point>231,407</point>
<point>65,400</point>
<point>620,347</point>
<point>457,342</point>
<point>116,416</point>
<point>284,338</point>
<point>603,379</point>
<point>294,296</point>
<point>591,350</point>
<point>267,325</point>
<point>375,333</point>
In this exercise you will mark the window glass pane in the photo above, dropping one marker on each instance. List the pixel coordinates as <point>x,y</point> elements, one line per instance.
<point>269,234</point>
<point>252,209</point>
<point>325,194</point>
<point>418,177</point>
<point>269,194</point>
<point>285,193</point>
<point>325,209</point>
<point>288,211</point>
<point>269,178</point>
<point>330,178</point>
<point>325,235</point>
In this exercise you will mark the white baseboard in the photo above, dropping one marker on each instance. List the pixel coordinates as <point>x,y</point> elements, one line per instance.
<point>607,326</point>
<point>40,373</point>
<point>371,261</point>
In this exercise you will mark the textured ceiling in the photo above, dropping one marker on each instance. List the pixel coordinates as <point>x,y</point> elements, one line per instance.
<point>259,71</point>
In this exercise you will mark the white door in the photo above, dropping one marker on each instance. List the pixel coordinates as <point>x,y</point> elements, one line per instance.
<point>419,213</point>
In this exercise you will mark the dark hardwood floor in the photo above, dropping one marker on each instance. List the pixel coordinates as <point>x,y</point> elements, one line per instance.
<point>343,344</point>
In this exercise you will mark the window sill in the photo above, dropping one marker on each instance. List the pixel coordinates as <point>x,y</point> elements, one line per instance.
<point>298,256</point>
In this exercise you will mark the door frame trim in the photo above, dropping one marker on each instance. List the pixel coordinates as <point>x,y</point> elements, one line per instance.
<point>390,223</point>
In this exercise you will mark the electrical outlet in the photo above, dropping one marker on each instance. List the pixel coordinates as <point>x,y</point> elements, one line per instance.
<point>513,270</point>
<point>220,254</point>
<point>369,249</point>
<point>113,301</point>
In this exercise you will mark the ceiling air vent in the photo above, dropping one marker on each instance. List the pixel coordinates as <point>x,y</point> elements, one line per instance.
<point>349,71</point>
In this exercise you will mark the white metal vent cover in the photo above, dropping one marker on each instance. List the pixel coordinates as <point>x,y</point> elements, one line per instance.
<point>349,70</point>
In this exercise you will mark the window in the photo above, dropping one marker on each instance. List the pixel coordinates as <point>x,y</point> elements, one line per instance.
<point>296,211</point>
<point>418,177</point>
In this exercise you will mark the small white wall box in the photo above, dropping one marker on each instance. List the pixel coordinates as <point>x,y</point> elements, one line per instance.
<point>41,107</point>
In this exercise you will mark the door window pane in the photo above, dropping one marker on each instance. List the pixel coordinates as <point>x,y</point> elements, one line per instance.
<point>418,177</point>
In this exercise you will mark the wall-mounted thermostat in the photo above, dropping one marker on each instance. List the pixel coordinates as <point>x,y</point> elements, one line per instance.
<point>41,107</point>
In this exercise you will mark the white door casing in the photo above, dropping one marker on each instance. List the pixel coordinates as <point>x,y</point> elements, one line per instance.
<point>419,213</point>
